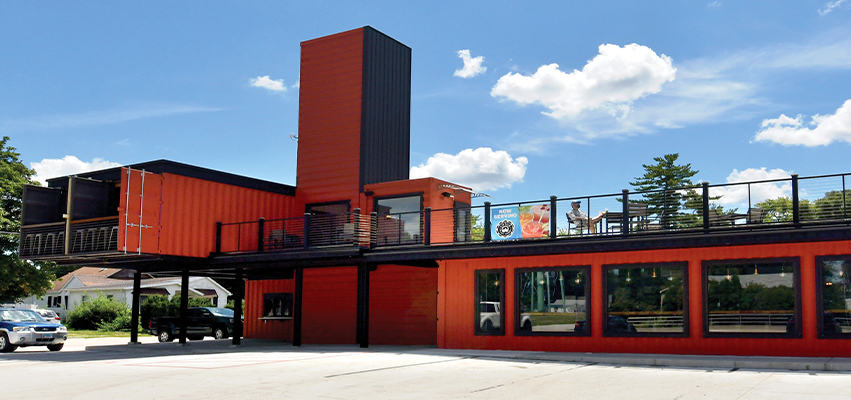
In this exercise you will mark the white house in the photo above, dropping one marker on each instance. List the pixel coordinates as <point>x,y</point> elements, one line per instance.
<point>88,282</point>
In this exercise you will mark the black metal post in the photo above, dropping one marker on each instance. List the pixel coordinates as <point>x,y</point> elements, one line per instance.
<point>306,230</point>
<point>625,217</point>
<point>218,237</point>
<point>184,304</point>
<point>299,287</point>
<point>363,306</point>
<point>427,226</point>
<point>487,237</point>
<point>705,207</point>
<point>553,217</point>
<point>261,229</point>
<point>134,314</point>
<point>356,226</point>
<point>796,211</point>
<point>238,295</point>
<point>373,226</point>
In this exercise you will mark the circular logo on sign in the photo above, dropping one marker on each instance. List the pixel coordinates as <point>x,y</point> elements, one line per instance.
<point>505,228</point>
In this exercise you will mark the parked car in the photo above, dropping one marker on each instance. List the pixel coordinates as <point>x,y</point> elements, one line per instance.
<point>23,328</point>
<point>200,321</point>
<point>49,316</point>
<point>489,317</point>
<point>616,324</point>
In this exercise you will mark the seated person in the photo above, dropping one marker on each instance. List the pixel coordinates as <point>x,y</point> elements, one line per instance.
<point>581,220</point>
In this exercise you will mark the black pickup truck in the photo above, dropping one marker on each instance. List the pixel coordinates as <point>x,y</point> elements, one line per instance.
<point>200,322</point>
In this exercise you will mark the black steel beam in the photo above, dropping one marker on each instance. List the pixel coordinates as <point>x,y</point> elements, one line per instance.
<point>363,305</point>
<point>299,287</point>
<point>134,313</point>
<point>238,289</point>
<point>184,304</point>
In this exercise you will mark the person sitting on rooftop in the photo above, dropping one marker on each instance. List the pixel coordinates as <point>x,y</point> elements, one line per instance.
<point>578,218</point>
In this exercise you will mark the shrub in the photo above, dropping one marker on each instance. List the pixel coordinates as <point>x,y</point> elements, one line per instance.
<point>160,306</point>
<point>96,312</point>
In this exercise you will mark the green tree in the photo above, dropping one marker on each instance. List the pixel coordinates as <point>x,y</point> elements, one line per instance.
<point>666,181</point>
<point>18,278</point>
<point>780,209</point>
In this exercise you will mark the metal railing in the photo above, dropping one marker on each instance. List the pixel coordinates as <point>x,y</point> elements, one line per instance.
<point>766,204</point>
<point>87,236</point>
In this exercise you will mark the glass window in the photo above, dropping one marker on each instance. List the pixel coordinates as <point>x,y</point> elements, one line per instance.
<point>399,220</point>
<point>490,302</point>
<point>277,305</point>
<point>646,299</point>
<point>751,297</point>
<point>834,294</point>
<point>551,301</point>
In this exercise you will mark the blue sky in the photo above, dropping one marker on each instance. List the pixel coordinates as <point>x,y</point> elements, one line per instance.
<point>519,100</point>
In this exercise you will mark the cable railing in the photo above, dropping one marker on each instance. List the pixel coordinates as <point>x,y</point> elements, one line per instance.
<point>705,208</point>
<point>86,236</point>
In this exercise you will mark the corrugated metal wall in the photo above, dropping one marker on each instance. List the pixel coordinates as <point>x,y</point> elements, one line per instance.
<point>403,305</point>
<point>330,118</point>
<point>386,116</point>
<point>329,305</point>
<point>256,328</point>
<point>191,207</point>
<point>456,302</point>
<point>142,205</point>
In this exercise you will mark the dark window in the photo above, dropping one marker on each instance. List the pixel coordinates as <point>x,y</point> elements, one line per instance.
<point>463,220</point>
<point>646,299</point>
<point>278,305</point>
<point>399,220</point>
<point>328,224</point>
<point>490,302</point>
<point>751,298</point>
<point>552,301</point>
<point>834,296</point>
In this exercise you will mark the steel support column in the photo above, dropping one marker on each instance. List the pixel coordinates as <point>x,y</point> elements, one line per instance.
<point>184,304</point>
<point>238,294</point>
<point>134,315</point>
<point>299,286</point>
<point>363,305</point>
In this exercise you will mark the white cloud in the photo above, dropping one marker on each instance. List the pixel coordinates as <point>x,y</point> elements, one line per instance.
<point>472,65</point>
<point>70,165</point>
<point>739,195</point>
<point>830,6</point>
<point>611,81</point>
<point>481,169</point>
<point>269,84</point>
<point>823,129</point>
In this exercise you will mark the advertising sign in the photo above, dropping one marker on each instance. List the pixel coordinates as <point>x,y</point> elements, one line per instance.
<point>520,222</point>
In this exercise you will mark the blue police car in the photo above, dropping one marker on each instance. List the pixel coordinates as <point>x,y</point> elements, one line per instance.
<point>23,328</point>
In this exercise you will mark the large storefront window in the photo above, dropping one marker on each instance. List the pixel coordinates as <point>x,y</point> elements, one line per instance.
<point>490,302</point>
<point>834,294</point>
<point>552,301</point>
<point>399,220</point>
<point>646,299</point>
<point>751,298</point>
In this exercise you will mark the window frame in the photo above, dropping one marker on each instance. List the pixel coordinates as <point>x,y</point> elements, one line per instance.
<point>585,269</point>
<point>820,296</point>
<point>704,284</point>
<point>684,265</point>
<point>476,303</point>
<point>285,297</point>
<point>421,196</point>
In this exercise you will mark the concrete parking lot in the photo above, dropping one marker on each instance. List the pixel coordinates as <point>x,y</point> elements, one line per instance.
<point>109,368</point>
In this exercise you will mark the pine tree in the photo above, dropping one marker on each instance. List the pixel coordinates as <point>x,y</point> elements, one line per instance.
<point>664,184</point>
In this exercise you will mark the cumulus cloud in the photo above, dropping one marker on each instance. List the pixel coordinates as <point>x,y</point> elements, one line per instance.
<point>612,80</point>
<point>274,85</point>
<point>739,195</point>
<point>70,165</point>
<point>830,6</point>
<point>822,130</point>
<point>472,65</point>
<point>481,169</point>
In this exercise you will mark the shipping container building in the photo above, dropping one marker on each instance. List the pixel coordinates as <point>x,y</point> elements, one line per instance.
<point>358,253</point>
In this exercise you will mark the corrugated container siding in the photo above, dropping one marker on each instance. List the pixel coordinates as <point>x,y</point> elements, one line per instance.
<point>142,207</point>
<point>329,305</point>
<point>330,117</point>
<point>403,305</point>
<point>256,328</point>
<point>456,304</point>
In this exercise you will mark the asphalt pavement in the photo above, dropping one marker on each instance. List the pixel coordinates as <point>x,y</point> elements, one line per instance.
<point>111,368</point>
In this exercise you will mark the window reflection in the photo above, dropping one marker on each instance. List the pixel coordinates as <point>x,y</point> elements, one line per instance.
<point>835,295</point>
<point>751,297</point>
<point>551,300</point>
<point>490,302</point>
<point>646,298</point>
<point>399,220</point>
